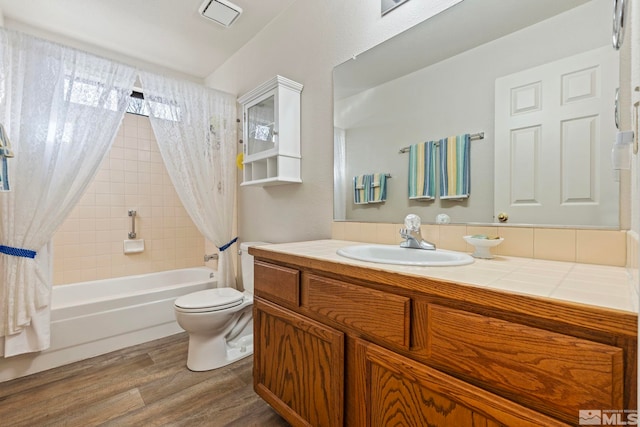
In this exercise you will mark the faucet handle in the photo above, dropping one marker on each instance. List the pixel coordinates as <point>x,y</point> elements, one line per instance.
<point>412,222</point>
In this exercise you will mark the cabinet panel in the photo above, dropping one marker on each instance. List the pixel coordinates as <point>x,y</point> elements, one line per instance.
<point>277,283</point>
<point>298,366</point>
<point>399,391</point>
<point>545,369</point>
<point>376,313</point>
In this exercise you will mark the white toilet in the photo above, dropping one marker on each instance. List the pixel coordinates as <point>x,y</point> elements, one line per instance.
<point>219,321</point>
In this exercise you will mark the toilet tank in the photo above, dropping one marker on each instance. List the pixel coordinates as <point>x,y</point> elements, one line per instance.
<point>246,262</point>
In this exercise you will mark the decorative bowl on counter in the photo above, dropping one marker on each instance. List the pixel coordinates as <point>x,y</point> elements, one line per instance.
<point>483,245</point>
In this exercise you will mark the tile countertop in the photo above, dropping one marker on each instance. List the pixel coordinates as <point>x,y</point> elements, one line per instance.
<point>597,285</point>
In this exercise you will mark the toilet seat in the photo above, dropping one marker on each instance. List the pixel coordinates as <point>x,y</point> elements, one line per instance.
<point>216,299</point>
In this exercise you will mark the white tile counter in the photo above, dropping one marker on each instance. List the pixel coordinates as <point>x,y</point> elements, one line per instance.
<point>597,285</point>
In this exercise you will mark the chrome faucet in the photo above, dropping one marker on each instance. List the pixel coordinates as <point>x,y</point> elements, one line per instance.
<point>210,257</point>
<point>413,236</point>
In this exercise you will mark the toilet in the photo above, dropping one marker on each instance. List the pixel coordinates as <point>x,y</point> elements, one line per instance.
<point>219,321</point>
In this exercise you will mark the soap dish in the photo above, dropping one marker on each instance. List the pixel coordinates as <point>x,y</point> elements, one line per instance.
<point>482,245</point>
<point>132,246</point>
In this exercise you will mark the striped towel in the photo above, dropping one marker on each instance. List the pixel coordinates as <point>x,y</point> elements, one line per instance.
<point>369,188</point>
<point>455,177</point>
<point>360,190</point>
<point>422,171</point>
<point>378,190</point>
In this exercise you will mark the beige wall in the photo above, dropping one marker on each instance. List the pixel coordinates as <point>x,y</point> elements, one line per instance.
<point>89,244</point>
<point>304,43</point>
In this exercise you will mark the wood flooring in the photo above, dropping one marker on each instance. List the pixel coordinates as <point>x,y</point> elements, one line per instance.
<point>144,385</point>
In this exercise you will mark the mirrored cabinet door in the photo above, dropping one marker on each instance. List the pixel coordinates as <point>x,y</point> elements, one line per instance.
<point>260,120</point>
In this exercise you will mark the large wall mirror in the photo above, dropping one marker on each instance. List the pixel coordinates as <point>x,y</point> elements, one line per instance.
<point>536,77</point>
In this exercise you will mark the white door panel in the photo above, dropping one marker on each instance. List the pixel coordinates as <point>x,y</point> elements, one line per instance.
<point>554,128</point>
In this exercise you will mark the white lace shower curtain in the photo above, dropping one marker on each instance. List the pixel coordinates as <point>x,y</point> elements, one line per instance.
<point>61,109</point>
<point>196,131</point>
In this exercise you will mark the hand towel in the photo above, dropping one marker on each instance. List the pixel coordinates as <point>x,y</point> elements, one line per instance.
<point>422,171</point>
<point>455,177</point>
<point>378,191</point>
<point>360,193</point>
<point>369,188</point>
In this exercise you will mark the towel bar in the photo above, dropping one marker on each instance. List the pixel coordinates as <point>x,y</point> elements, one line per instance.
<point>479,135</point>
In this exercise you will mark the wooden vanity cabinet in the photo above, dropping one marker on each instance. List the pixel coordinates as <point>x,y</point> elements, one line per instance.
<point>334,346</point>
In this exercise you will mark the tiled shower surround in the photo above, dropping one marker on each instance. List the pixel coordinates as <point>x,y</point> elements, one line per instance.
<point>89,244</point>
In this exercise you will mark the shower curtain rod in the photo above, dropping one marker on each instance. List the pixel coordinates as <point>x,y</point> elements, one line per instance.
<point>479,135</point>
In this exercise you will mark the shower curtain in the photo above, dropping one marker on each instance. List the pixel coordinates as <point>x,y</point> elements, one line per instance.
<point>339,174</point>
<point>196,131</point>
<point>61,109</point>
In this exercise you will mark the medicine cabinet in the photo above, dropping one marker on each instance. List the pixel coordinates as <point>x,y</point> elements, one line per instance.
<point>271,129</point>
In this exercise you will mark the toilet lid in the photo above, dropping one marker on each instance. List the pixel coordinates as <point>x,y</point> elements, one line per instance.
<point>210,300</point>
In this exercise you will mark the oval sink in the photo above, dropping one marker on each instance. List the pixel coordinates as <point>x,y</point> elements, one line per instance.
<point>392,254</point>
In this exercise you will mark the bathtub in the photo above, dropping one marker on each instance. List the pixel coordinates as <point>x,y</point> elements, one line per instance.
<point>93,318</point>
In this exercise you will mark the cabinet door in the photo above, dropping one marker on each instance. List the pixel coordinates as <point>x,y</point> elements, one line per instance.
<point>395,390</point>
<point>260,125</point>
<point>298,366</point>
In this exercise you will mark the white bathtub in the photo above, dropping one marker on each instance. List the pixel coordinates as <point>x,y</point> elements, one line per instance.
<point>93,318</point>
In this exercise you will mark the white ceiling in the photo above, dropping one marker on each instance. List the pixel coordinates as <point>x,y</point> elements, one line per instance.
<point>169,33</point>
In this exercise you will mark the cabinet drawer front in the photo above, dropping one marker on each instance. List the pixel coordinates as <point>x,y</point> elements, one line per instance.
<point>276,283</point>
<point>375,313</point>
<point>546,369</point>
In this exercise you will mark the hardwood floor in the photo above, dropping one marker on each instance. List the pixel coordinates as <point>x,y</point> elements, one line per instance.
<point>145,385</point>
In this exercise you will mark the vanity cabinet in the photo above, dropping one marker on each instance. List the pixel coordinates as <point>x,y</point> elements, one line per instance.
<point>271,133</point>
<point>339,344</point>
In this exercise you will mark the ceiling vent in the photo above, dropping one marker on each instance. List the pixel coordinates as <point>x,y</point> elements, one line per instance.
<point>220,11</point>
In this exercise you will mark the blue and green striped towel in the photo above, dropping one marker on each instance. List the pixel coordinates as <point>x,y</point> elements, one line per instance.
<point>378,190</point>
<point>369,188</point>
<point>455,177</point>
<point>360,191</point>
<point>422,171</point>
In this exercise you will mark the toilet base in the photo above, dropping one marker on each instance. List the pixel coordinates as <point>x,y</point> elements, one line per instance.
<point>207,353</point>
